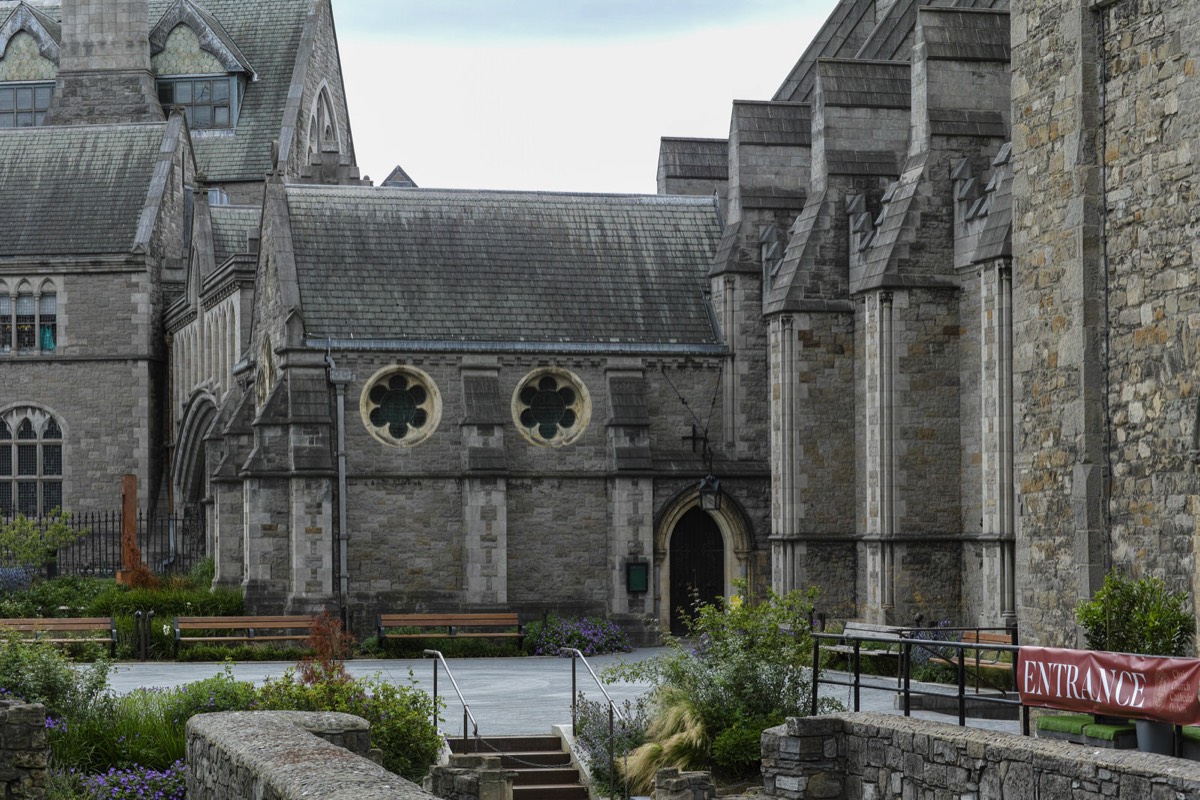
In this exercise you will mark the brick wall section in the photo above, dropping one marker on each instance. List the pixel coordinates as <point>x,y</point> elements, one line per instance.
<point>287,755</point>
<point>875,755</point>
<point>24,752</point>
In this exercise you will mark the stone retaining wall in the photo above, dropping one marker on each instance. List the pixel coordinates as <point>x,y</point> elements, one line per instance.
<point>23,750</point>
<point>877,755</point>
<point>287,755</point>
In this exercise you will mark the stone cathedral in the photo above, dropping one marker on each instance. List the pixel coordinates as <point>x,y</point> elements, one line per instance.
<point>921,332</point>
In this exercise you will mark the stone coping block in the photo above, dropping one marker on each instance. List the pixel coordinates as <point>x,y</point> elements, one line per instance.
<point>287,755</point>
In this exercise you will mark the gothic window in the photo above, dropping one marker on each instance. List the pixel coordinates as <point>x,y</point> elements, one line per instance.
<point>47,321</point>
<point>208,101</point>
<point>551,407</point>
<point>400,406</point>
<point>26,322</point>
<point>29,321</point>
<point>31,463</point>
<point>24,105</point>
<point>322,127</point>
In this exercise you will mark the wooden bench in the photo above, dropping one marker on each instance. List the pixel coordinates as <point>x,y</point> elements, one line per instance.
<point>869,637</point>
<point>980,659</point>
<point>452,626</point>
<point>242,629</point>
<point>66,630</point>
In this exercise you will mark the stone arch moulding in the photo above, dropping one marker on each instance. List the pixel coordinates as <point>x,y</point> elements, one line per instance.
<point>198,418</point>
<point>737,536</point>
<point>322,117</point>
<point>25,18</point>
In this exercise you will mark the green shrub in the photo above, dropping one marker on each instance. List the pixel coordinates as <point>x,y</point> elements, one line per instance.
<point>39,673</point>
<point>166,603</point>
<point>401,717</point>
<point>748,666</point>
<point>202,573</point>
<point>450,648</point>
<point>67,596</point>
<point>737,750</point>
<point>1138,616</point>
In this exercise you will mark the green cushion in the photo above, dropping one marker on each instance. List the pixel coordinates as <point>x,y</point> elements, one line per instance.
<point>1107,733</point>
<point>1065,723</point>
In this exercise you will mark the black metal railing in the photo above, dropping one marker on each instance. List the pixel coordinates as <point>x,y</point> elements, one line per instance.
<point>614,713</point>
<point>168,544</point>
<point>467,715</point>
<point>991,686</point>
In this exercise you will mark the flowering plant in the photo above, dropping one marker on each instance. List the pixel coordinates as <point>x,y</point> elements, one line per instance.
<point>591,636</point>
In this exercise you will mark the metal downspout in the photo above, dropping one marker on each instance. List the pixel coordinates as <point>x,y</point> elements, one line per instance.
<point>339,378</point>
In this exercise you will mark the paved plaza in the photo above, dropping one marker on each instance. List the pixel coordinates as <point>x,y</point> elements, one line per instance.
<point>505,695</point>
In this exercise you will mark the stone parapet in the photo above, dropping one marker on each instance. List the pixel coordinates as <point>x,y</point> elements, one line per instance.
<point>287,755</point>
<point>878,755</point>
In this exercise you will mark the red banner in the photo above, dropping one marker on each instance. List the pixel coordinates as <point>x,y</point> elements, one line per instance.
<point>1116,684</point>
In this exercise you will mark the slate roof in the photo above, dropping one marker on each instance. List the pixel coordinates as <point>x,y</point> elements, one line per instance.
<point>680,157</point>
<point>230,225</point>
<point>412,265</point>
<point>267,33</point>
<point>75,190</point>
<point>851,32</point>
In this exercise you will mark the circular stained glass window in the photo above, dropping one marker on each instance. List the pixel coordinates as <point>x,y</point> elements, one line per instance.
<point>400,406</point>
<point>551,407</point>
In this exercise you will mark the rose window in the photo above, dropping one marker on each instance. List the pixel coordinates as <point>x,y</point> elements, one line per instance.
<point>400,406</point>
<point>551,407</point>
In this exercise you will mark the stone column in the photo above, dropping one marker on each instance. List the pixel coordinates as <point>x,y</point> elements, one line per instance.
<point>485,488</point>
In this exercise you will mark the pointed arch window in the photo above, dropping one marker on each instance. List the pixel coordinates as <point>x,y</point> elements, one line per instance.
<point>31,463</point>
<point>29,322</point>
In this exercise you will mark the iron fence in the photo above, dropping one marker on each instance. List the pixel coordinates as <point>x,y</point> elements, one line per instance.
<point>168,544</point>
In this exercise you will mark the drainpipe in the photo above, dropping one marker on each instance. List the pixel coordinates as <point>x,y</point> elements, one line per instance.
<point>887,454</point>
<point>1008,597</point>
<point>339,378</point>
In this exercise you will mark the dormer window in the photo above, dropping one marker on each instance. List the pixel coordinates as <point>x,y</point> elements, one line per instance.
<point>24,105</point>
<point>208,101</point>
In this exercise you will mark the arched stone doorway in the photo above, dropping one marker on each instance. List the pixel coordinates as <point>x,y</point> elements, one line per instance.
<point>190,470</point>
<point>697,552</point>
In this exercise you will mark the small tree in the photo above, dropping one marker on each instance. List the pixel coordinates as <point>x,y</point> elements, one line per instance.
<point>29,543</point>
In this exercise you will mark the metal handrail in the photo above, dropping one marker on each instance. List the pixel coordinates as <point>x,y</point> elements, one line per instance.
<point>466,708</point>
<point>613,712</point>
<point>904,675</point>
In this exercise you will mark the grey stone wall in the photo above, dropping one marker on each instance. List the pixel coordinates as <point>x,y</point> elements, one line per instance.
<point>876,755</point>
<point>1105,298</point>
<point>1057,322</point>
<point>24,752</point>
<point>1151,116</point>
<point>287,755</point>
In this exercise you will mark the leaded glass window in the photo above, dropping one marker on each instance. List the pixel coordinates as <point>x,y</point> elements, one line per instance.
<point>207,101</point>
<point>551,407</point>
<point>48,321</point>
<point>24,105</point>
<point>31,463</point>
<point>6,323</point>
<point>400,406</point>
<point>26,322</point>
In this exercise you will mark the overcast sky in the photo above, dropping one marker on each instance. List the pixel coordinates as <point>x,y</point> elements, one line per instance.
<point>562,95</point>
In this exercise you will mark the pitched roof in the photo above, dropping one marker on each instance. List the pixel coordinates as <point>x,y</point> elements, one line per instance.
<point>230,226</point>
<point>265,34</point>
<point>75,190</point>
<point>411,265</point>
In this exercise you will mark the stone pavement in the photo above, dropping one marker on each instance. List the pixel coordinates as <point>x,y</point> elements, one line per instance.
<point>505,695</point>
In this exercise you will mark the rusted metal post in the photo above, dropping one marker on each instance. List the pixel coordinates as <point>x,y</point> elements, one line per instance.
<point>130,557</point>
